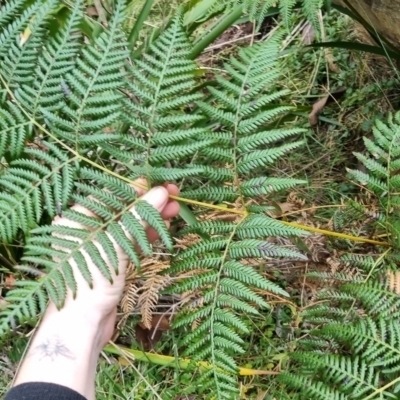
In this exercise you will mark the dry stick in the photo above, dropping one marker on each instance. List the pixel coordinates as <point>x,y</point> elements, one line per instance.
<point>217,46</point>
<point>188,201</point>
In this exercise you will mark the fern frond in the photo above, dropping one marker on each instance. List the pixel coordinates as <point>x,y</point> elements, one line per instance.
<point>112,119</point>
<point>258,186</point>
<point>9,10</point>
<point>13,130</point>
<point>385,150</point>
<point>162,80</point>
<point>354,377</point>
<point>38,76</point>
<point>376,342</point>
<point>251,142</point>
<point>262,226</point>
<point>259,9</point>
<point>359,319</point>
<point>226,287</point>
<point>286,8</point>
<point>148,294</point>
<point>382,180</point>
<point>10,32</point>
<point>162,174</point>
<point>42,181</point>
<point>258,158</point>
<point>85,85</point>
<point>19,64</point>
<point>55,247</point>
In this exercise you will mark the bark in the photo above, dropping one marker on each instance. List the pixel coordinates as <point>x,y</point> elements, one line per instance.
<point>383,15</point>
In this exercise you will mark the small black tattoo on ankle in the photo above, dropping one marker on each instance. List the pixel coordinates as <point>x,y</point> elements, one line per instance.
<point>53,348</point>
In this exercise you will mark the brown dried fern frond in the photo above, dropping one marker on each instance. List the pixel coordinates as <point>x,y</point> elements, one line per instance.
<point>218,216</point>
<point>142,289</point>
<point>297,201</point>
<point>129,301</point>
<point>394,281</point>
<point>187,241</point>
<point>149,292</point>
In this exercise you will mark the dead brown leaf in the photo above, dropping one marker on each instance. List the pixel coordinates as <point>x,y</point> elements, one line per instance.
<point>320,104</point>
<point>280,209</point>
<point>286,207</point>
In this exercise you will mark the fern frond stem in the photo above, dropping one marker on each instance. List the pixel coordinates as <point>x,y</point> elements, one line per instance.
<point>210,206</point>
<point>155,102</point>
<point>382,389</point>
<point>337,234</point>
<point>235,130</point>
<point>169,361</point>
<point>312,208</point>
<point>182,363</point>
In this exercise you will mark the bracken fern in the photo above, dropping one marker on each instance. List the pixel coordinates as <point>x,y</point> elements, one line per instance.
<point>80,120</point>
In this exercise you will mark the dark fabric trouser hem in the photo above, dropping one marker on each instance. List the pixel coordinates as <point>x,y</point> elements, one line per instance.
<point>42,391</point>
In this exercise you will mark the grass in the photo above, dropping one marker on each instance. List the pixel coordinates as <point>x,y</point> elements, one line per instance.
<point>309,74</point>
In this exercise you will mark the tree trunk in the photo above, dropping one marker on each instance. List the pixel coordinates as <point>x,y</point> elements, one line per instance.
<point>383,15</point>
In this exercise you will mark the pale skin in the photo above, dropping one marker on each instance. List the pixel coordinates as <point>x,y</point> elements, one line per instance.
<point>67,345</point>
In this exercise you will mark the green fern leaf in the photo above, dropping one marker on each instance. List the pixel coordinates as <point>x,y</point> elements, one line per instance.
<point>19,64</point>
<point>153,218</point>
<point>17,25</point>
